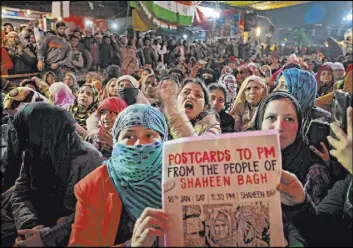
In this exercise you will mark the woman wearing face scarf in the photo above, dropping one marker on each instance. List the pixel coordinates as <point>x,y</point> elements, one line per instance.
<point>188,108</point>
<point>207,75</point>
<point>230,83</point>
<point>61,95</point>
<point>85,104</point>
<point>281,111</point>
<point>129,90</point>
<point>325,82</point>
<point>107,111</point>
<point>218,95</point>
<point>119,202</point>
<point>54,160</point>
<point>251,92</point>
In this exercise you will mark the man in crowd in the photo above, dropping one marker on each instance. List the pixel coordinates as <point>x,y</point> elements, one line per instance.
<point>148,52</point>
<point>76,61</point>
<point>54,52</point>
<point>22,58</point>
<point>95,50</point>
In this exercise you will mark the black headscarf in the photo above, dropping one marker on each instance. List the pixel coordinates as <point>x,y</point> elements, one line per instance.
<point>297,157</point>
<point>46,133</point>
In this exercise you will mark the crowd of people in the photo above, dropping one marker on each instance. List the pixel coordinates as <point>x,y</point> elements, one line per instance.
<point>81,163</point>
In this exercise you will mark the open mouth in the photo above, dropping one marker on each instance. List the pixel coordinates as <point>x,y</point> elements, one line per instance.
<point>189,106</point>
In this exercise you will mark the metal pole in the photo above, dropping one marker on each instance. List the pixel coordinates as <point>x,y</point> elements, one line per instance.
<point>127,15</point>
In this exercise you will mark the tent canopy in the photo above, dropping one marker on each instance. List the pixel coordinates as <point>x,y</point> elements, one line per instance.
<point>264,5</point>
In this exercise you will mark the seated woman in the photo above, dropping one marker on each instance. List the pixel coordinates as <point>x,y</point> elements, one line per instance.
<point>251,92</point>
<point>218,95</point>
<point>281,111</point>
<point>13,102</point>
<point>300,84</point>
<point>71,81</point>
<point>325,82</point>
<point>49,78</point>
<point>112,199</point>
<point>85,104</point>
<point>330,222</point>
<point>61,95</point>
<point>188,108</point>
<point>110,89</point>
<point>150,89</point>
<point>36,85</point>
<point>326,101</point>
<point>42,205</point>
<point>124,87</point>
<point>129,90</point>
<point>20,96</point>
<point>107,111</point>
<point>229,81</point>
<point>144,73</point>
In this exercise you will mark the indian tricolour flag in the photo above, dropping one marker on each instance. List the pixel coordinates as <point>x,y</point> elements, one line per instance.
<point>181,12</point>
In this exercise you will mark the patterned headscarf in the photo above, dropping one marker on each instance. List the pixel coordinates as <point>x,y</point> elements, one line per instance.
<point>302,85</point>
<point>20,96</point>
<point>62,94</point>
<point>137,170</point>
<point>229,81</point>
<point>80,113</point>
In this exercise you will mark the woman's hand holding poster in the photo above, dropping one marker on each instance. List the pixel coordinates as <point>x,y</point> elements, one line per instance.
<point>221,191</point>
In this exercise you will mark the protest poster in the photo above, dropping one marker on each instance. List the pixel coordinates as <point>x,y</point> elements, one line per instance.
<point>221,190</point>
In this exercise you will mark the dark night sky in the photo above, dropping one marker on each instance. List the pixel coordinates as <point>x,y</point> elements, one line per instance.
<point>328,13</point>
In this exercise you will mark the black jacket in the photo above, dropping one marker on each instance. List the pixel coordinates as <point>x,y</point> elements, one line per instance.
<point>227,122</point>
<point>329,223</point>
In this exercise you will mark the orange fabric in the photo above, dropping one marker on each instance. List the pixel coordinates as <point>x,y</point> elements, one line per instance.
<point>6,61</point>
<point>98,211</point>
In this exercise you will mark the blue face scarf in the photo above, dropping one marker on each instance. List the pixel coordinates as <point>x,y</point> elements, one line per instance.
<point>136,171</point>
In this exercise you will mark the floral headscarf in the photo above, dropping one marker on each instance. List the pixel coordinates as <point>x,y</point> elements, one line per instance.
<point>229,81</point>
<point>80,113</point>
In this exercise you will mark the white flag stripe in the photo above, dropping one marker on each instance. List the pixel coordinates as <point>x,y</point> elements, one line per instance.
<point>55,9</point>
<point>66,9</point>
<point>168,5</point>
<point>185,10</point>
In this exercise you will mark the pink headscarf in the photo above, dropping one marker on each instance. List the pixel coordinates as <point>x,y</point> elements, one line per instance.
<point>62,94</point>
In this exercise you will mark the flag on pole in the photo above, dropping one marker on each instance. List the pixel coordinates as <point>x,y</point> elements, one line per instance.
<point>181,12</point>
<point>60,9</point>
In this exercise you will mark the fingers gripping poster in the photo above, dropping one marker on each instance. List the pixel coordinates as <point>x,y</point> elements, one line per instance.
<point>221,191</point>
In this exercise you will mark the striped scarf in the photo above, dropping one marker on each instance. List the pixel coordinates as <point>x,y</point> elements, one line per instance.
<point>136,171</point>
